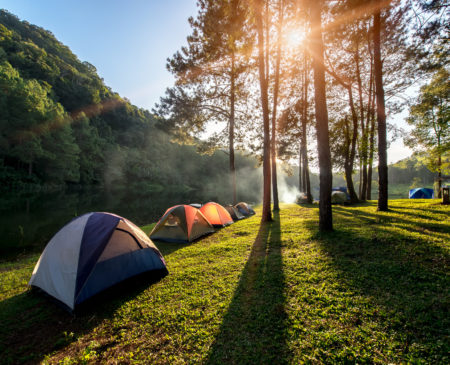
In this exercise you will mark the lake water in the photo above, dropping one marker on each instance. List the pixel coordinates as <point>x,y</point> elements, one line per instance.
<point>28,222</point>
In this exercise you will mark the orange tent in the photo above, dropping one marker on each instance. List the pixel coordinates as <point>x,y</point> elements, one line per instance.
<point>216,214</point>
<point>182,224</point>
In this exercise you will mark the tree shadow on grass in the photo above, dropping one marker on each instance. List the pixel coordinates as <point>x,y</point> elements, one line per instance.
<point>404,277</point>
<point>255,326</point>
<point>33,325</point>
<point>415,222</point>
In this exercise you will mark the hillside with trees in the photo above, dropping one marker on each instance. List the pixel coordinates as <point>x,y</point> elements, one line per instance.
<point>61,125</point>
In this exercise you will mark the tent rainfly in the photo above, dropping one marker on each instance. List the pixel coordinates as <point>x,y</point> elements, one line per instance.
<point>421,193</point>
<point>181,224</point>
<point>91,253</point>
<point>234,212</point>
<point>338,197</point>
<point>216,214</point>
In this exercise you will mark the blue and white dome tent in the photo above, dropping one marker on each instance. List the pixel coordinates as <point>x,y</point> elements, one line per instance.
<point>421,193</point>
<point>91,253</point>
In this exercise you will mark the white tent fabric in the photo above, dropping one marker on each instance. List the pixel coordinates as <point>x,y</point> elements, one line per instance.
<point>91,253</point>
<point>56,270</point>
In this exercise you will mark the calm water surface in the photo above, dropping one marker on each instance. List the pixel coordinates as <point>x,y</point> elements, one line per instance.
<point>28,222</point>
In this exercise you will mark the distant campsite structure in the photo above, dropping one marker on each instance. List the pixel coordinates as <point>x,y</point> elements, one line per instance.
<point>421,193</point>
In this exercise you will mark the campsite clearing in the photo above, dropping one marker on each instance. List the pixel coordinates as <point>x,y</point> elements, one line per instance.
<point>374,291</point>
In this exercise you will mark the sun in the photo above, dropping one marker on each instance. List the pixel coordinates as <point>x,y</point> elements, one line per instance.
<point>294,37</point>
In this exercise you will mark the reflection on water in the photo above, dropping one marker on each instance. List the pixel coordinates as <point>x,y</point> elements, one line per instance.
<point>28,222</point>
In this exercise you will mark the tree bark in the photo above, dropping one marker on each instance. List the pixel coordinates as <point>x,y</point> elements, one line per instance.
<point>381,116</point>
<point>266,212</point>
<point>352,151</point>
<point>363,146</point>
<point>439,167</point>
<point>350,142</point>
<point>371,152</point>
<point>320,105</point>
<point>300,168</point>
<point>231,129</point>
<point>276,205</point>
<point>307,180</point>
<point>439,177</point>
<point>304,141</point>
<point>370,130</point>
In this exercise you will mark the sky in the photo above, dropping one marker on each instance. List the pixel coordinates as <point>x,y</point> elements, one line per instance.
<point>127,41</point>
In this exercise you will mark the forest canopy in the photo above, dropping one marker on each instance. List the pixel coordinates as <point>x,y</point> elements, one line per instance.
<point>60,124</point>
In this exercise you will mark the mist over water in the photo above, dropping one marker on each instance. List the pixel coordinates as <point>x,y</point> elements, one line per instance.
<point>28,222</point>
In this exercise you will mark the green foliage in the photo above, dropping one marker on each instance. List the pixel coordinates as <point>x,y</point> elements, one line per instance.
<point>210,75</point>
<point>430,117</point>
<point>61,124</point>
<point>410,169</point>
<point>373,291</point>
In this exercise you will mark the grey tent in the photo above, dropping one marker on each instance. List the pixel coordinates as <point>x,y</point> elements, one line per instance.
<point>245,209</point>
<point>338,197</point>
<point>234,212</point>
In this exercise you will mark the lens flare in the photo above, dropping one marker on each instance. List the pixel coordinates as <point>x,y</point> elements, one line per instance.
<point>294,38</point>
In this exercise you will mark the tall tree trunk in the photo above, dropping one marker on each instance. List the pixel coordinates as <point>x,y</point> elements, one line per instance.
<point>320,105</point>
<point>360,177</point>
<point>439,178</point>
<point>350,142</point>
<point>363,144</point>
<point>348,163</point>
<point>371,149</point>
<point>276,205</point>
<point>266,212</point>
<point>381,116</point>
<point>439,167</point>
<point>304,141</point>
<point>370,129</point>
<point>231,129</point>
<point>352,150</point>
<point>300,169</point>
<point>307,180</point>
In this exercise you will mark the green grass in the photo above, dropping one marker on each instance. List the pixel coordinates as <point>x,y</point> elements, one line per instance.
<point>374,291</point>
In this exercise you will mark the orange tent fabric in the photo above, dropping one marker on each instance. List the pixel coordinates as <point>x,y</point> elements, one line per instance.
<point>181,223</point>
<point>216,214</point>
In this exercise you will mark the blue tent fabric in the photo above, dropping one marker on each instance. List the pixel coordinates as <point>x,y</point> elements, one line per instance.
<point>421,193</point>
<point>91,253</point>
<point>342,189</point>
<point>97,233</point>
<point>119,268</point>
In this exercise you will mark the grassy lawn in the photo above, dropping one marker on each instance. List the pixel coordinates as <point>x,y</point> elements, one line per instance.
<point>374,291</point>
